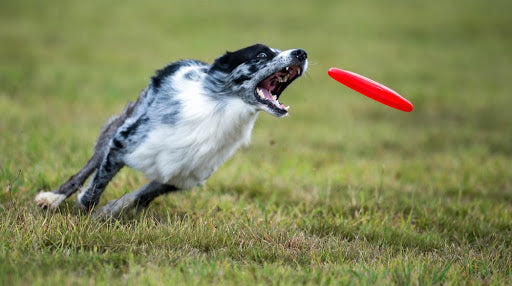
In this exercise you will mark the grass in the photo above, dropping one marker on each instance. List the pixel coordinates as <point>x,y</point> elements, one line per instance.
<point>343,191</point>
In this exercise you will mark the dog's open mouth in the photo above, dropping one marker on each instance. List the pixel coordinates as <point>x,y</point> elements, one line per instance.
<point>269,90</point>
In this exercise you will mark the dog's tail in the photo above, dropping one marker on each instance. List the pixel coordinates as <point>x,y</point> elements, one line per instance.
<point>52,199</point>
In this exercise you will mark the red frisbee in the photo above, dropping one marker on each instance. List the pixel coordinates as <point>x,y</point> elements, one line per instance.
<point>370,88</point>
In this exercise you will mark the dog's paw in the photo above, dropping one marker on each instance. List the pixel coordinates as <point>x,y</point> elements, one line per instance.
<point>49,200</point>
<point>111,210</point>
<point>114,208</point>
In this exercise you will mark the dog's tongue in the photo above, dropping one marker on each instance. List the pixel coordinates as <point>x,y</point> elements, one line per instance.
<point>267,94</point>
<point>267,87</point>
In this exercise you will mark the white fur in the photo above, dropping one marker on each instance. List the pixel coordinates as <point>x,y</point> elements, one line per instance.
<point>186,154</point>
<point>49,200</point>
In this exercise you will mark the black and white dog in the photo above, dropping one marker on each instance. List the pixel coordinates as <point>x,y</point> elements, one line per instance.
<point>184,125</point>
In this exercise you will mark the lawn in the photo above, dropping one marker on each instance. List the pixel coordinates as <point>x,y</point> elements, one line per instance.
<point>343,191</point>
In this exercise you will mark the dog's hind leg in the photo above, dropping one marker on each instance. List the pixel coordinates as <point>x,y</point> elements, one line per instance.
<point>135,201</point>
<point>51,200</point>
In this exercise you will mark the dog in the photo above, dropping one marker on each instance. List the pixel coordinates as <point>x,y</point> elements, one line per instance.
<point>189,119</point>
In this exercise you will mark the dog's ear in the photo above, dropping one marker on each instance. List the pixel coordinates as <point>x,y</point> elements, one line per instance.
<point>230,60</point>
<point>227,62</point>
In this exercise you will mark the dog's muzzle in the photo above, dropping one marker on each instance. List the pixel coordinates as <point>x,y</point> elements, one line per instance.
<point>270,89</point>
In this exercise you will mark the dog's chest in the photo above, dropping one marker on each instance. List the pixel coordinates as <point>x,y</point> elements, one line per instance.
<point>188,152</point>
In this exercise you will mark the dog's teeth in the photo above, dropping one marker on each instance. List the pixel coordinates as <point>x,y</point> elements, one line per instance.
<point>287,68</point>
<point>298,70</point>
<point>260,93</point>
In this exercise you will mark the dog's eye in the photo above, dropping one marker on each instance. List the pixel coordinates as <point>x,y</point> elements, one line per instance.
<point>262,55</point>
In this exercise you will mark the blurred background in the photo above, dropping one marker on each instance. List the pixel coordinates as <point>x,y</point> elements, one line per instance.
<point>344,184</point>
<point>67,66</point>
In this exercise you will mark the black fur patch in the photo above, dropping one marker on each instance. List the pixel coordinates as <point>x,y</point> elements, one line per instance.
<point>241,79</point>
<point>130,130</point>
<point>253,68</point>
<point>166,72</point>
<point>153,191</point>
<point>117,144</point>
<point>230,60</point>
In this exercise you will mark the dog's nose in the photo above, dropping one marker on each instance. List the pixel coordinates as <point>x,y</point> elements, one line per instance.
<point>300,54</point>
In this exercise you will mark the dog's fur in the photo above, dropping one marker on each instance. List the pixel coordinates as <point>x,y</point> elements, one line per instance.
<point>184,125</point>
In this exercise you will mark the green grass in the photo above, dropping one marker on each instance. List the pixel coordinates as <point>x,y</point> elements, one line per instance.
<point>343,191</point>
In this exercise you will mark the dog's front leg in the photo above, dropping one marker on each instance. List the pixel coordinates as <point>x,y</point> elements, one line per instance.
<point>108,168</point>
<point>135,201</point>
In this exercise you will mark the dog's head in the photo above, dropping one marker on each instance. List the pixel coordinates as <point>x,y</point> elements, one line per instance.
<point>259,75</point>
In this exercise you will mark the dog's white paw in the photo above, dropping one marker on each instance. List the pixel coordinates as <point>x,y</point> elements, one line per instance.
<point>49,200</point>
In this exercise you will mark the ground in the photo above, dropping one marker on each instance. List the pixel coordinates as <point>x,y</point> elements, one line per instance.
<point>343,191</point>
